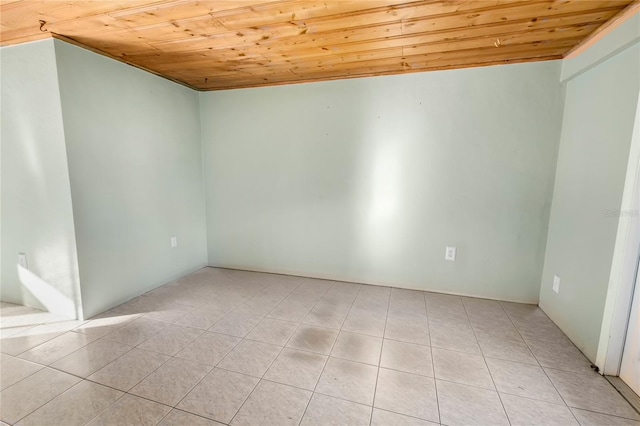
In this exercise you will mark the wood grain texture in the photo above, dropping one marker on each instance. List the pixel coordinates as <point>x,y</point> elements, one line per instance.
<point>214,45</point>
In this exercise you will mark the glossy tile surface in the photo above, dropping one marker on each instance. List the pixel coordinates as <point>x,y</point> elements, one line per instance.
<point>221,347</point>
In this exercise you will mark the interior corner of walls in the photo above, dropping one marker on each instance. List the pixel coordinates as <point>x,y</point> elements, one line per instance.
<point>203,162</point>
<point>57,46</point>
<point>41,219</point>
<point>623,37</point>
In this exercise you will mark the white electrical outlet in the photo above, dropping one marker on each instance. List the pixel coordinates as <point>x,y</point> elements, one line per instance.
<point>22,260</point>
<point>450,253</point>
<point>174,242</point>
<point>556,283</point>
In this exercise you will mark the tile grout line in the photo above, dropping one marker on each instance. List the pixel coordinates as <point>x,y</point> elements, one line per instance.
<point>485,361</point>
<point>27,376</point>
<point>45,403</point>
<point>114,360</point>
<point>538,361</point>
<point>74,375</point>
<point>281,349</point>
<point>234,346</point>
<point>329,355</point>
<point>171,357</point>
<point>299,325</point>
<point>384,331</point>
<point>433,367</point>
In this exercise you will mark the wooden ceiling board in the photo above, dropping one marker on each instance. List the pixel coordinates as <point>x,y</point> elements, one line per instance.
<point>214,45</point>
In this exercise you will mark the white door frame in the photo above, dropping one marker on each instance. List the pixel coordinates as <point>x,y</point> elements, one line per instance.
<point>625,262</point>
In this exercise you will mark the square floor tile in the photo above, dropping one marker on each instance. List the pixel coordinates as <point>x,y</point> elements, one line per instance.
<point>508,349</point>
<point>131,410</point>
<point>56,348</point>
<point>590,418</point>
<point>89,359</point>
<point>544,331</point>
<point>325,410</point>
<point>33,392</point>
<point>76,406</point>
<point>462,368</point>
<point>448,316</point>
<point>260,305</point>
<point>26,340</point>
<point>103,325</point>
<point>413,330</point>
<point>357,347</point>
<point>314,339</point>
<point>478,350</point>
<point>273,404</point>
<point>592,392</point>
<point>407,394</point>
<point>34,336</point>
<point>364,322</point>
<point>410,303</point>
<point>523,380</point>
<point>387,418</point>
<point>293,308</point>
<point>297,368</point>
<point>407,357</point>
<point>466,405</point>
<point>200,318</point>
<point>140,305</point>
<point>12,370</point>
<point>209,348</point>
<point>6,333</point>
<point>219,395</point>
<point>525,411</point>
<point>170,313</point>
<point>172,381</point>
<point>237,324</point>
<point>273,331</point>
<point>182,418</point>
<point>560,356</point>
<point>250,357</point>
<point>136,331</point>
<point>126,371</point>
<point>171,340</point>
<point>348,380</point>
<point>328,315</point>
<point>457,337</point>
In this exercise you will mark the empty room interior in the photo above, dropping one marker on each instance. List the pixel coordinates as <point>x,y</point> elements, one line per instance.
<point>295,212</point>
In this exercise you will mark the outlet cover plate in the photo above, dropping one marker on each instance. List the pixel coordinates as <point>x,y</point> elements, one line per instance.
<point>556,283</point>
<point>450,254</point>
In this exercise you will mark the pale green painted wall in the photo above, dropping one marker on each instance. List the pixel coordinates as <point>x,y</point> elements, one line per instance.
<point>622,37</point>
<point>368,180</point>
<point>364,180</point>
<point>133,145</point>
<point>599,112</point>
<point>37,217</point>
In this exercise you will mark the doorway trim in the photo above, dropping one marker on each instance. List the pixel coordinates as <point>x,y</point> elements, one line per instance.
<point>624,264</point>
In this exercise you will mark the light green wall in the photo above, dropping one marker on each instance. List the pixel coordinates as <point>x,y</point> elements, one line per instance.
<point>368,180</point>
<point>364,180</point>
<point>36,212</point>
<point>133,146</point>
<point>622,37</point>
<point>599,112</point>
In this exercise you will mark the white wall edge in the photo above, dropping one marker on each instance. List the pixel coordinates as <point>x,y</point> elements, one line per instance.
<point>623,268</point>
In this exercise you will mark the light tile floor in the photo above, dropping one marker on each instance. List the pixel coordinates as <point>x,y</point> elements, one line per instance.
<point>233,347</point>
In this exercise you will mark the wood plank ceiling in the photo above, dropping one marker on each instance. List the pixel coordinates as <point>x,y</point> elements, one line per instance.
<point>210,45</point>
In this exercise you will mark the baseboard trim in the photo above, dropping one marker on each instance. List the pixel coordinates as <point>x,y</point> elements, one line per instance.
<point>627,393</point>
<point>380,284</point>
